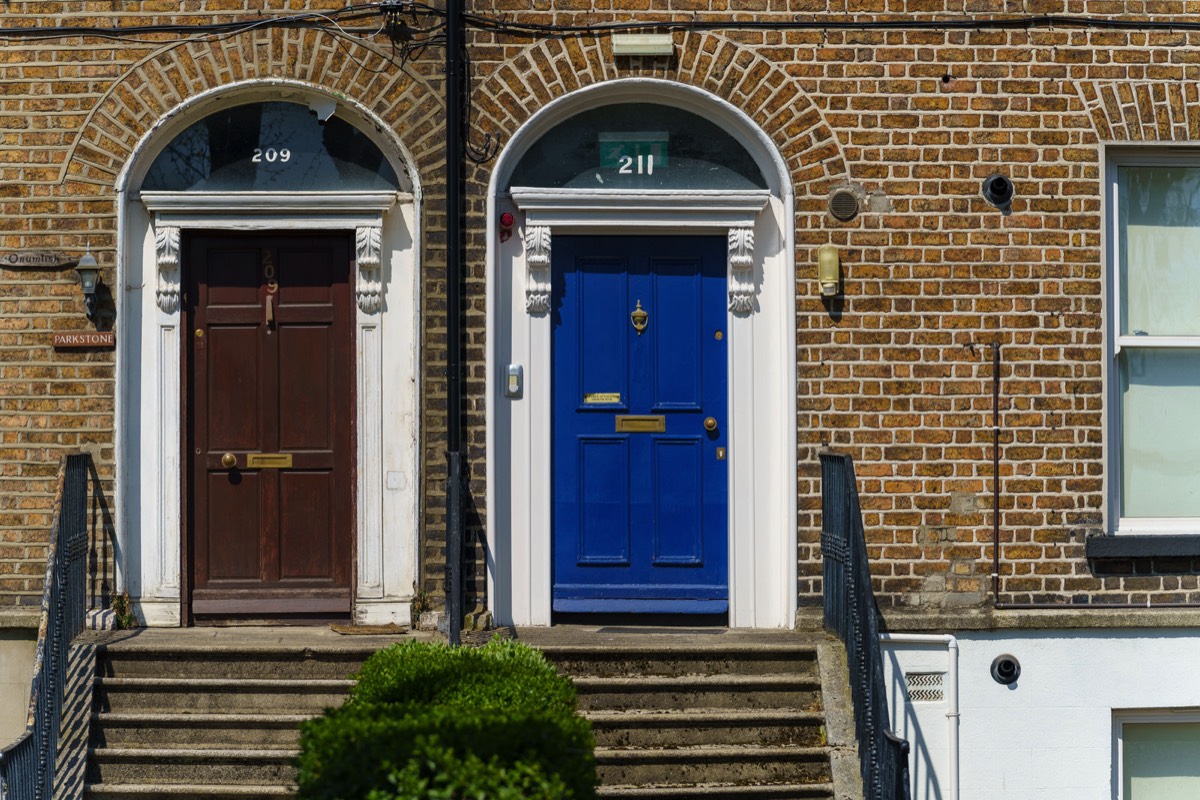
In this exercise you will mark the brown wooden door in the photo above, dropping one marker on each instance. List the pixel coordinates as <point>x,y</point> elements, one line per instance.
<point>270,357</point>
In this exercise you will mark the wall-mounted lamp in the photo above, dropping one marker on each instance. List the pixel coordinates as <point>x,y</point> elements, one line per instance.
<point>829,269</point>
<point>89,279</point>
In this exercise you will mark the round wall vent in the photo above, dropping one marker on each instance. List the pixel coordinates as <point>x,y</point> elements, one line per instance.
<point>843,204</point>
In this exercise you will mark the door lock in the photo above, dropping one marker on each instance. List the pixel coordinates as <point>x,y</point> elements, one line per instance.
<point>710,424</point>
<point>229,461</point>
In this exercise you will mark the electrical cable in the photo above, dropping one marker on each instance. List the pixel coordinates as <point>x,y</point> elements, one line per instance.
<point>527,29</point>
<point>301,20</point>
<point>833,24</point>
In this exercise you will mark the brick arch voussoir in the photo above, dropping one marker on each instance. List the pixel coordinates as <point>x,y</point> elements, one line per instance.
<point>162,81</point>
<point>547,70</point>
<point>1129,111</point>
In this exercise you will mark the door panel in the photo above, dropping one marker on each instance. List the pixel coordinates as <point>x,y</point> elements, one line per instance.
<point>271,372</point>
<point>603,513</point>
<point>678,357</point>
<point>640,518</point>
<point>678,517</point>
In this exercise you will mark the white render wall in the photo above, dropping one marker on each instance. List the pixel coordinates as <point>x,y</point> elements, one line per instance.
<point>1050,735</point>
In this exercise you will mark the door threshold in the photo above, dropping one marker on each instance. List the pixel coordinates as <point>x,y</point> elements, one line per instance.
<point>289,620</point>
<point>646,623</point>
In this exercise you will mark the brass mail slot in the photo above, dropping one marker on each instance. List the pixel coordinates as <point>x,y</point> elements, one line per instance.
<point>269,461</point>
<point>634,423</point>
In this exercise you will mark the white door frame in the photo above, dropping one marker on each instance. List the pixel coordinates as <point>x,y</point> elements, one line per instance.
<point>387,319</point>
<point>762,361</point>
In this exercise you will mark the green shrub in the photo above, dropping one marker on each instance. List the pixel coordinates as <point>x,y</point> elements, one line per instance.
<point>429,721</point>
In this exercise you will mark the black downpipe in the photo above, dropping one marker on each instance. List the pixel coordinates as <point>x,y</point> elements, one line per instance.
<point>995,473</point>
<point>996,604</point>
<point>454,248</point>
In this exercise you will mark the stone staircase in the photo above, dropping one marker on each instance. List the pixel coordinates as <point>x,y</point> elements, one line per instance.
<point>705,719</point>
<point>196,714</point>
<point>217,718</point>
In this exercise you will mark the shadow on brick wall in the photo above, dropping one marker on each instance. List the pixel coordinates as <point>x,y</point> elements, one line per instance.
<point>103,548</point>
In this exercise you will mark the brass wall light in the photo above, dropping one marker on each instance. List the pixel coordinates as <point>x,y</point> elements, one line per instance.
<point>89,279</point>
<point>829,269</point>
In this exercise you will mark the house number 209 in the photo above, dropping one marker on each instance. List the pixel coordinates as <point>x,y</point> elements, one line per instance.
<point>271,155</point>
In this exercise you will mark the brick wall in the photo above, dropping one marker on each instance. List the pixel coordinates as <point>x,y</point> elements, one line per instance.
<point>72,109</point>
<point>896,371</point>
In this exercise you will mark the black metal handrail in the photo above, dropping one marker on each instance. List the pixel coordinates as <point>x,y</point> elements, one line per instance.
<point>27,765</point>
<point>851,613</point>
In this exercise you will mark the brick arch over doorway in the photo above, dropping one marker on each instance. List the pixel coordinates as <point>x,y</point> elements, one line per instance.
<point>536,75</point>
<point>148,92</point>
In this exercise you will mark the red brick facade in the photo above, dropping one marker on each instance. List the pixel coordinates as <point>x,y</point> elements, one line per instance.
<point>896,370</point>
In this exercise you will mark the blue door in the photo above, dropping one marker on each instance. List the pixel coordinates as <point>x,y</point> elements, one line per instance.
<point>640,430</point>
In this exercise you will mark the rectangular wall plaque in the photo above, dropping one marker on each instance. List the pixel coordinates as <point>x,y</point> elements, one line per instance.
<point>35,259</point>
<point>592,398</point>
<point>85,339</point>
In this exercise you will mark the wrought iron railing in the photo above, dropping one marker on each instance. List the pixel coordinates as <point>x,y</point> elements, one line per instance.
<point>27,765</point>
<point>850,612</point>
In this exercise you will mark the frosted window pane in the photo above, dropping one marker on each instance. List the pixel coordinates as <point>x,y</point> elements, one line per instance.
<point>1160,417</point>
<point>638,146</point>
<point>270,147</point>
<point>1160,250</point>
<point>1162,761</point>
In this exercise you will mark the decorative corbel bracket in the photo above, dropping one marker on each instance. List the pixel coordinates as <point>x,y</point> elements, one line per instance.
<point>368,240</point>
<point>537,266</point>
<point>166,248</point>
<point>741,269</point>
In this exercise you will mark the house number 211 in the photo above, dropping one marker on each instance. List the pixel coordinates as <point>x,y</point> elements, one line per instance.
<point>645,165</point>
<point>271,155</point>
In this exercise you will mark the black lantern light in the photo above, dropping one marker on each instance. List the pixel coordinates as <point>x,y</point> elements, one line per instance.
<point>89,279</point>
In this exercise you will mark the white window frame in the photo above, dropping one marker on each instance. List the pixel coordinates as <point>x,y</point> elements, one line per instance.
<point>1152,716</point>
<point>1120,524</point>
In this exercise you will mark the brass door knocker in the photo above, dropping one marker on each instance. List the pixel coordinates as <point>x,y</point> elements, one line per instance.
<point>639,318</point>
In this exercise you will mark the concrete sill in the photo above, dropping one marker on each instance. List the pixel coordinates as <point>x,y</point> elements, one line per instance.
<point>1157,546</point>
<point>20,618</point>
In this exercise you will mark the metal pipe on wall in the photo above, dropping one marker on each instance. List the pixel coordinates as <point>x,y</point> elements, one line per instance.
<point>996,604</point>
<point>454,208</point>
<point>995,471</point>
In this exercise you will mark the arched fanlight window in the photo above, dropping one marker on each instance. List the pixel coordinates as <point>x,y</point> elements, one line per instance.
<point>271,147</point>
<point>638,146</point>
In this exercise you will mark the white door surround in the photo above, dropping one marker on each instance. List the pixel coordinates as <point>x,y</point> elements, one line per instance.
<point>762,363</point>
<point>149,477</point>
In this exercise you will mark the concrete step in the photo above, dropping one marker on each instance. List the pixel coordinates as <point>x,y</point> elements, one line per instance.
<point>146,765</point>
<point>699,691</point>
<point>650,729</point>
<point>218,695</point>
<point>665,660</point>
<point>147,791</point>
<point>243,662</point>
<point>712,765</point>
<point>784,791</point>
<point>219,731</point>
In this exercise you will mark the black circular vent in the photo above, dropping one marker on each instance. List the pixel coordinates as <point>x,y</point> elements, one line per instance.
<point>843,205</point>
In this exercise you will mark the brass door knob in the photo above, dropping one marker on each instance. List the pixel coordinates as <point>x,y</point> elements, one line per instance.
<point>710,424</point>
<point>229,461</point>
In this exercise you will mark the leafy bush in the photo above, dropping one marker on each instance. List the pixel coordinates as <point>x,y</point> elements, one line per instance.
<point>428,721</point>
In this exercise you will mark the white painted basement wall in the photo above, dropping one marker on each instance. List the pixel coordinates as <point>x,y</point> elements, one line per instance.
<point>1049,736</point>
